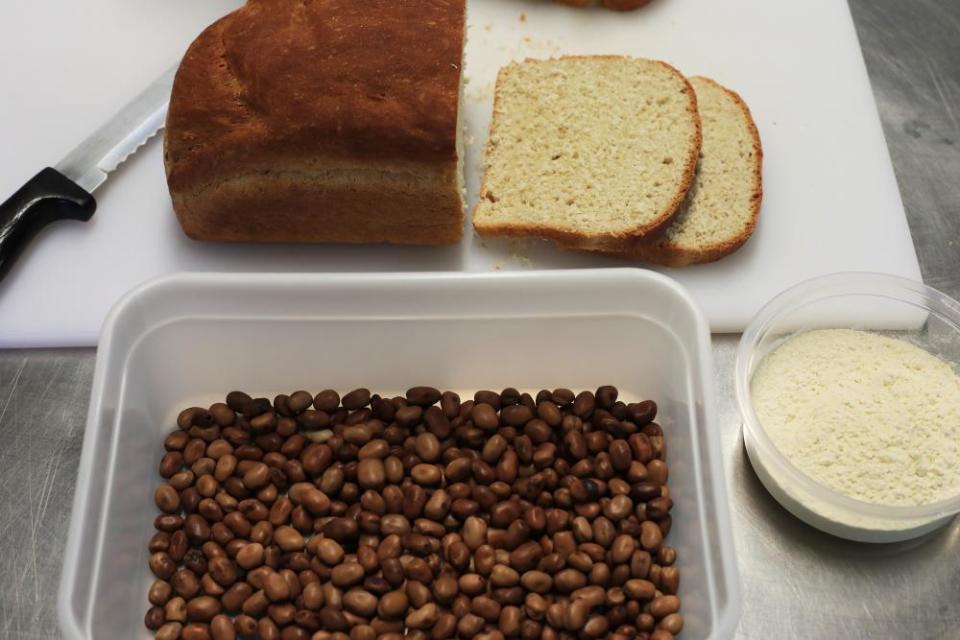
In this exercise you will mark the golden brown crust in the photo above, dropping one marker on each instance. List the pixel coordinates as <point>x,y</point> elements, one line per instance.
<point>259,207</point>
<point>279,82</point>
<point>663,252</point>
<point>576,239</point>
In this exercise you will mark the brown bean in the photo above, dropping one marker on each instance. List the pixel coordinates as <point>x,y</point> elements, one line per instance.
<point>313,598</point>
<point>424,617</point>
<point>202,609</point>
<point>423,396</point>
<point>620,455</point>
<point>510,620</point>
<point>584,404</point>
<point>657,472</point>
<point>355,399</point>
<point>360,602</point>
<point>596,627</point>
<point>577,614</point>
<point>618,508</point>
<point>469,625</point>
<point>288,539</point>
<point>640,589</point>
<point>622,548</point>
<point>474,532</point>
<point>167,499</point>
<point>169,631</point>
<point>185,583</point>
<point>427,475</point>
<point>347,574</point>
<point>250,556</point>
<point>221,628</point>
<point>503,576</point>
<point>341,529</point>
<point>569,580</point>
<point>445,588</point>
<point>276,588</point>
<point>484,416</point>
<point>472,584</point>
<point>371,474</point>
<point>672,622</point>
<point>669,580</point>
<point>537,581</point>
<point>526,556</point>
<point>162,565</point>
<point>159,593</point>
<point>494,448</point>
<point>516,415</point>
<point>650,536</point>
<point>486,607</point>
<point>154,618</point>
<point>663,606</point>
<point>235,596</point>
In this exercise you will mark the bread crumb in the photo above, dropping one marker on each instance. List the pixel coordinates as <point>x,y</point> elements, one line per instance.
<point>497,266</point>
<point>488,27</point>
<point>523,17</point>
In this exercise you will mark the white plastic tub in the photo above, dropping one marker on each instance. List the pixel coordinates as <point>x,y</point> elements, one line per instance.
<point>191,338</point>
<point>893,306</point>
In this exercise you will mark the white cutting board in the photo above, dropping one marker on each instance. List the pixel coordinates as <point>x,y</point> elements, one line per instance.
<point>831,202</point>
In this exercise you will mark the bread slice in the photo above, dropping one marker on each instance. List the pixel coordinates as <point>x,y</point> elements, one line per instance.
<point>723,204</point>
<point>588,149</point>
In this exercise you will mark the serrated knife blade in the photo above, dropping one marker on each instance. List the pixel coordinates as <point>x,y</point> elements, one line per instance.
<point>89,164</point>
<point>64,192</point>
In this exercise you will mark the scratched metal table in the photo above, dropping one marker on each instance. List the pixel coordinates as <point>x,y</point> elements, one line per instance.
<point>797,582</point>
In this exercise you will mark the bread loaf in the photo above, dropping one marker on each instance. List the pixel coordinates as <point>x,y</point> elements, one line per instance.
<point>324,121</point>
<point>589,149</point>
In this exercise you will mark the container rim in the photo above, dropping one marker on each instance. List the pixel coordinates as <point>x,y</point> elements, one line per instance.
<point>860,283</point>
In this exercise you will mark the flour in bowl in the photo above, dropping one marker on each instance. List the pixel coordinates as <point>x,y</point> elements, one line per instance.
<point>872,417</point>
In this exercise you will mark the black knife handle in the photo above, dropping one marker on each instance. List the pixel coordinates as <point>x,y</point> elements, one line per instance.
<point>46,197</point>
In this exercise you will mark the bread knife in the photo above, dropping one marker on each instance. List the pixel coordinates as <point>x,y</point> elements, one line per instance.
<point>64,192</point>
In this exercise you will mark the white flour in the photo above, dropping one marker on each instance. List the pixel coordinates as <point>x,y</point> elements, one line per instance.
<point>872,417</point>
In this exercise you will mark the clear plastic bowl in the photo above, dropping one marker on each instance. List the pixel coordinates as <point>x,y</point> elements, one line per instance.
<point>188,339</point>
<point>867,301</point>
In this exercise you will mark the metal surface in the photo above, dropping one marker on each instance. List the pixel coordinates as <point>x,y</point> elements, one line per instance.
<point>89,164</point>
<point>798,583</point>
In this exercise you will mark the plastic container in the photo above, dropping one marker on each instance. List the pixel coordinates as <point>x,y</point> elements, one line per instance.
<point>188,339</point>
<point>897,307</point>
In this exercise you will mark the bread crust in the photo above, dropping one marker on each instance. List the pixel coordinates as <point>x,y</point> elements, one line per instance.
<point>666,253</point>
<point>372,88</point>
<point>576,238</point>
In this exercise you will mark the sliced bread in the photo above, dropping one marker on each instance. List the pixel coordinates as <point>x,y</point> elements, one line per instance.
<point>588,149</point>
<point>723,204</point>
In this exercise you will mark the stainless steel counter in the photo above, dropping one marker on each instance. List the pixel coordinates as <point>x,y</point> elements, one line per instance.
<point>797,582</point>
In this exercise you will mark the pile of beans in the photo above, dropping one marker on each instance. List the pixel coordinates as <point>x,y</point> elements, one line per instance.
<point>422,516</point>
